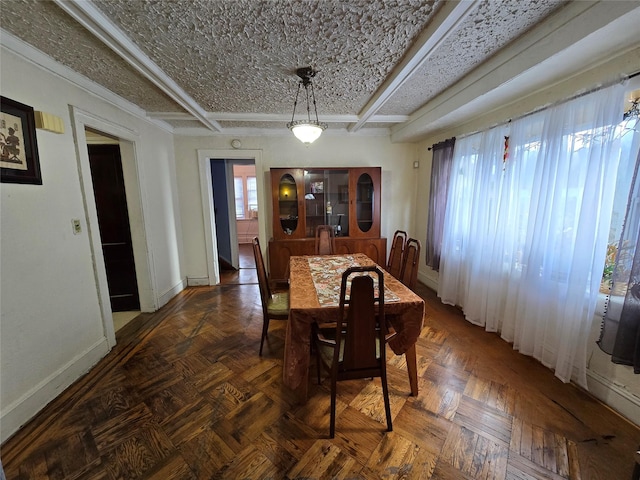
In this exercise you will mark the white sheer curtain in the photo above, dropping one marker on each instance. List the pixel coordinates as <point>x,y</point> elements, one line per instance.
<point>525,238</point>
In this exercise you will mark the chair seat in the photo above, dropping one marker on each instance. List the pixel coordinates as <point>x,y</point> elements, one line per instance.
<point>325,351</point>
<point>278,305</point>
<point>326,342</point>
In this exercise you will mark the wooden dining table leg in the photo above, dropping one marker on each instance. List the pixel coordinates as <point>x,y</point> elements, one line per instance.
<point>412,369</point>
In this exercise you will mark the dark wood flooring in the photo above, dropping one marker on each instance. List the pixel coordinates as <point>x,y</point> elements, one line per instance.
<point>184,395</point>
<point>246,274</point>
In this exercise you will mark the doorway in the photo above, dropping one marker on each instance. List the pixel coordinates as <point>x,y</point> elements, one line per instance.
<point>205,158</point>
<point>89,129</point>
<point>113,221</point>
<point>235,202</point>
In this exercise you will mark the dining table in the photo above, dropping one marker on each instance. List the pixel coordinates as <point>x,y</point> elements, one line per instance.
<point>314,296</point>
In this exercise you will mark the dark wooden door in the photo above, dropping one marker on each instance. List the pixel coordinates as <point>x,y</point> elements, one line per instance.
<point>113,221</point>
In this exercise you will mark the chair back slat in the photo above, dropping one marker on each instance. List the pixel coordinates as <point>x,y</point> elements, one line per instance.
<point>360,339</point>
<point>394,263</point>
<point>325,240</point>
<point>263,280</point>
<point>359,319</point>
<point>409,274</point>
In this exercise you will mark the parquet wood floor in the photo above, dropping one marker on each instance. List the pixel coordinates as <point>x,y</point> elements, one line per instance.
<point>184,395</point>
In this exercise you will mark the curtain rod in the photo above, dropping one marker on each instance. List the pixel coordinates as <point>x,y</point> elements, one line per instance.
<point>443,142</point>
<point>550,105</point>
<point>555,104</point>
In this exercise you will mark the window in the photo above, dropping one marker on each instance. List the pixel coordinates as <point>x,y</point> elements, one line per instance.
<point>252,196</point>
<point>238,187</point>
<point>627,130</point>
<point>524,239</point>
<point>246,193</point>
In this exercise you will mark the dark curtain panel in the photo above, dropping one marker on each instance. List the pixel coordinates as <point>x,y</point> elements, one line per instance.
<point>620,336</point>
<point>440,173</point>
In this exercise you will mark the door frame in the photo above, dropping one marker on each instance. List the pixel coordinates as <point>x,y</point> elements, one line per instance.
<point>128,139</point>
<point>206,191</point>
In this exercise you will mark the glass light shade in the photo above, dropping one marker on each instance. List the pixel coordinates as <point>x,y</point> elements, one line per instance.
<point>307,131</point>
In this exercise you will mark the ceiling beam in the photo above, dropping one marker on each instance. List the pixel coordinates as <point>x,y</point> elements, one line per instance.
<point>571,42</point>
<point>91,18</point>
<point>273,117</point>
<point>445,21</point>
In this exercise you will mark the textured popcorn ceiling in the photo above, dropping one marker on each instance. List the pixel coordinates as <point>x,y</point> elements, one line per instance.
<point>234,61</point>
<point>46,27</point>
<point>216,49</point>
<point>493,25</point>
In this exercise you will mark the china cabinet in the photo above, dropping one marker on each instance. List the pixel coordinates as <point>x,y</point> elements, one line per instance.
<point>348,199</point>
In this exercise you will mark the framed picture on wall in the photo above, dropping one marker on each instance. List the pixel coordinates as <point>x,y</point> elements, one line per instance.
<point>19,161</point>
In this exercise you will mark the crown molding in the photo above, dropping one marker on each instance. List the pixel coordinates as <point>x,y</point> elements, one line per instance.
<point>30,54</point>
<point>273,132</point>
<point>275,118</point>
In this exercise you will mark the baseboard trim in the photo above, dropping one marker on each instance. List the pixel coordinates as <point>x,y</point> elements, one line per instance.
<point>197,281</point>
<point>428,281</point>
<point>625,403</point>
<point>172,292</point>
<point>18,413</point>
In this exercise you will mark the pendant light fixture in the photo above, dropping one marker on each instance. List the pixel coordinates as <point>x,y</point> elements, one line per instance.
<point>307,131</point>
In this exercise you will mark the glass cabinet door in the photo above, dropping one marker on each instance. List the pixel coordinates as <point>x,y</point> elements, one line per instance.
<point>314,200</point>
<point>288,204</point>
<point>327,200</point>
<point>364,202</point>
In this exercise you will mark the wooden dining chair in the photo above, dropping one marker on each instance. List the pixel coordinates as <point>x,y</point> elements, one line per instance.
<point>355,348</point>
<point>275,305</point>
<point>394,264</point>
<point>411,257</point>
<point>325,240</point>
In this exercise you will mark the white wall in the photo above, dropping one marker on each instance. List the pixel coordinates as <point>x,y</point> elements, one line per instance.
<point>398,179</point>
<point>52,326</point>
<point>615,385</point>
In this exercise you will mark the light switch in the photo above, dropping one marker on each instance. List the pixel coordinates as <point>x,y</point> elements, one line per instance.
<point>77,228</point>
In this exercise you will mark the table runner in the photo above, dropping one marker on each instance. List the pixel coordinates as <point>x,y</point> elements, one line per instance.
<point>324,271</point>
